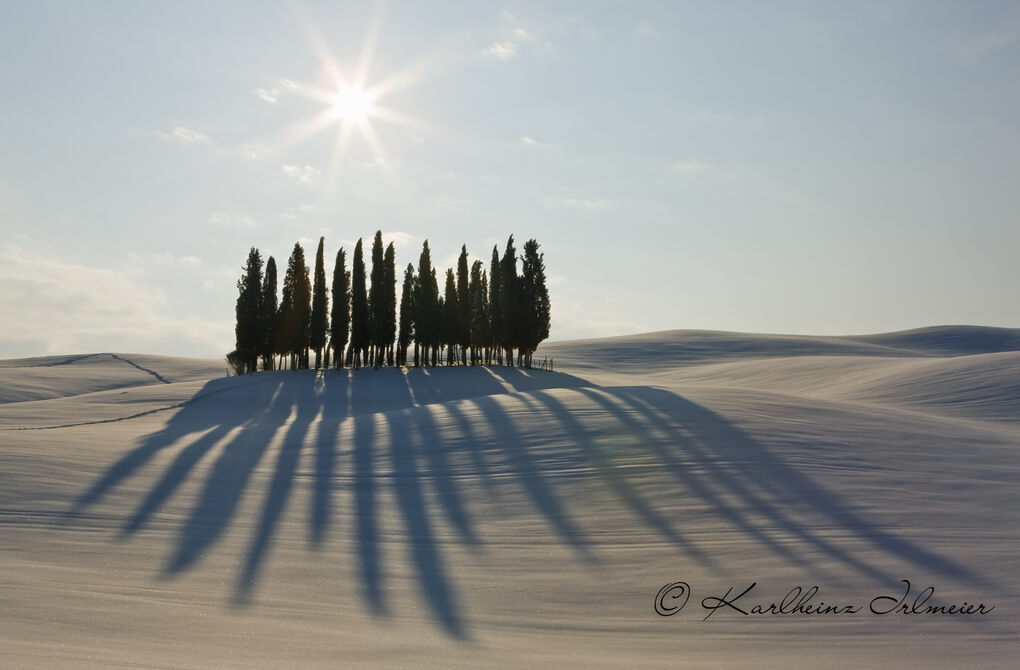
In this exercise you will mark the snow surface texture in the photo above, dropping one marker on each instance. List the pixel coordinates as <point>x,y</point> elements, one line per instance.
<point>154,513</point>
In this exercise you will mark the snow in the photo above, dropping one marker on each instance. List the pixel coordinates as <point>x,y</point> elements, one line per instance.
<point>471,517</point>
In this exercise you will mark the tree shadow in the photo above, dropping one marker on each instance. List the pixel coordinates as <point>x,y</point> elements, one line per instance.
<point>413,439</point>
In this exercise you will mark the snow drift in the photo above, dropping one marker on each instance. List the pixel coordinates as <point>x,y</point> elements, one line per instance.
<point>155,513</point>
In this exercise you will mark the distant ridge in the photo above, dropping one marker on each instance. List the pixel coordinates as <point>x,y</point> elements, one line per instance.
<point>950,340</point>
<point>679,347</point>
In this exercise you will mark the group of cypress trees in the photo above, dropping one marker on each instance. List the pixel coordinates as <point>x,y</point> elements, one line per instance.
<point>483,316</point>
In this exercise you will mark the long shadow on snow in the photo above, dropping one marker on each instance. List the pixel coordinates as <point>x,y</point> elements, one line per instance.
<point>404,433</point>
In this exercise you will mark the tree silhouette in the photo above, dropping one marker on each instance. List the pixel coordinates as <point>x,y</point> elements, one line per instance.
<point>360,335</point>
<point>268,316</point>
<point>340,317</point>
<point>319,324</point>
<point>426,310</point>
<point>485,318</point>
<point>535,311</point>
<point>295,310</point>
<point>388,327</point>
<point>376,302</point>
<point>510,306</point>
<point>249,299</point>
<point>406,316</point>
<point>478,324</point>
<point>463,305</point>
<point>496,326</point>
<point>451,318</point>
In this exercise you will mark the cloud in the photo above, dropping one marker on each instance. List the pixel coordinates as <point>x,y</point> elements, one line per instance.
<point>580,310</point>
<point>52,306</point>
<point>231,221</point>
<point>165,258</point>
<point>447,202</point>
<point>692,167</point>
<point>591,205</point>
<point>529,141</point>
<point>987,43</point>
<point>255,150</point>
<point>182,134</point>
<point>292,85</point>
<point>574,26</point>
<point>270,95</point>
<point>644,28</point>
<point>513,36</point>
<point>301,174</point>
<point>401,241</point>
<point>502,50</point>
<point>300,209</point>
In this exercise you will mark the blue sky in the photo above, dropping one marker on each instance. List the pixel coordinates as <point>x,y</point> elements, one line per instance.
<point>809,167</point>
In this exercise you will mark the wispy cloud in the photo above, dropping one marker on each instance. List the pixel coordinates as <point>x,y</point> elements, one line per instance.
<point>163,258</point>
<point>401,240</point>
<point>502,50</point>
<point>447,202</point>
<point>644,28</point>
<point>590,205</point>
<point>270,95</point>
<point>512,35</point>
<point>183,134</point>
<point>232,221</point>
<point>255,150</point>
<point>691,167</point>
<point>299,210</point>
<point>54,306</point>
<point>305,174</point>
<point>980,46</point>
<point>530,141</point>
<point>581,310</point>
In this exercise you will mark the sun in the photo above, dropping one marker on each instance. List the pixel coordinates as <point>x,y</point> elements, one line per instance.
<point>353,101</point>
<point>352,104</point>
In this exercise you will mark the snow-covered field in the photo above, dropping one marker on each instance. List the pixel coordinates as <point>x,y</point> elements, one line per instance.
<point>154,513</point>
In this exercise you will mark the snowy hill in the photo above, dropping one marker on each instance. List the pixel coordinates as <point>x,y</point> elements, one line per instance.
<point>155,513</point>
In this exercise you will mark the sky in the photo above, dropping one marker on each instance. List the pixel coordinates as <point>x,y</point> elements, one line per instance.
<point>783,167</point>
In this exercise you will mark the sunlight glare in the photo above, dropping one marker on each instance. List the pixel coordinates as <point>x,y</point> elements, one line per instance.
<point>352,104</point>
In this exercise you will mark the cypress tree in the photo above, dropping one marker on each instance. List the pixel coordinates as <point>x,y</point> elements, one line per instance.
<point>451,317</point>
<point>496,324</point>
<point>295,309</point>
<point>486,319</point>
<point>340,317</point>
<point>285,318</point>
<point>534,300</point>
<point>359,310</point>
<point>376,301</point>
<point>300,308</point>
<point>463,304</point>
<point>268,316</point>
<point>426,308</point>
<point>303,304</point>
<point>389,312</point>
<point>511,305</point>
<point>435,308</point>
<point>248,309</point>
<point>478,318</point>
<point>406,312</point>
<point>319,325</point>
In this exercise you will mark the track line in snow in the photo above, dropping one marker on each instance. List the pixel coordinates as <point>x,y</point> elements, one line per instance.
<point>92,423</point>
<point>146,370</point>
